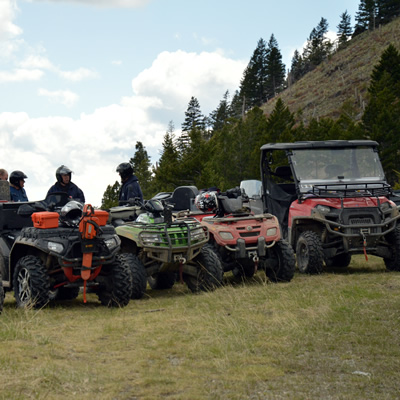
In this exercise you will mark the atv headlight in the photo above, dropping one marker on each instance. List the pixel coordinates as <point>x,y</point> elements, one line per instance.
<point>322,209</point>
<point>151,238</point>
<point>386,206</point>
<point>271,232</point>
<point>226,235</point>
<point>197,234</point>
<point>112,242</point>
<point>56,247</point>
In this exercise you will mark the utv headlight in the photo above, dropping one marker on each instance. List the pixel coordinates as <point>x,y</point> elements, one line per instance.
<point>197,234</point>
<point>151,238</point>
<point>226,235</point>
<point>386,206</point>
<point>56,247</point>
<point>271,232</point>
<point>112,242</point>
<point>322,209</point>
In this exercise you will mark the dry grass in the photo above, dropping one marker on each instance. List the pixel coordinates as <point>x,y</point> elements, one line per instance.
<point>333,336</point>
<point>340,83</point>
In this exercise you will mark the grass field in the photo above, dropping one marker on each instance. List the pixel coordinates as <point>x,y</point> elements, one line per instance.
<point>332,336</point>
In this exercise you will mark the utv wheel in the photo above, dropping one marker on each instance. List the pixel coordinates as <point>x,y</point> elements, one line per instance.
<point>31,283</point>
<point>393,263</point>
<point>340,261</point>
<point>281,265</point>
<point>209,272</point>
<point>138,271</point>
<point>309,254</point>
<point>162,280</point>
<point>118,290</point>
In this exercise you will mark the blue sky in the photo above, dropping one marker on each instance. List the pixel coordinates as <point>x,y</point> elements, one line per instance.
<point>81,81</point>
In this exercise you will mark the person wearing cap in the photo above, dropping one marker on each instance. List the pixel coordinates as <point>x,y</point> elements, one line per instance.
<point>64,184</point>
<point>130,188</point>
<point>17,182</point>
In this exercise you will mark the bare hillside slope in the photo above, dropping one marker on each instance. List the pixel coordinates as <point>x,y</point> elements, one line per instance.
<point>343,78</point>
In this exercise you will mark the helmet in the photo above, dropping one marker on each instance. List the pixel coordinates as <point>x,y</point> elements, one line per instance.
<point>71,213</point>
<point>125,170</point>
<point>206,202</point>
<point>63,170</point>
<point>16,176</point>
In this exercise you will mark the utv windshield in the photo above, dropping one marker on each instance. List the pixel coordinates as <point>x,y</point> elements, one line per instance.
<point>336,165</point>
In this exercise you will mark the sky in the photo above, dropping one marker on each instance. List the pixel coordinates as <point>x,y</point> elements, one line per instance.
<point>82,81</point>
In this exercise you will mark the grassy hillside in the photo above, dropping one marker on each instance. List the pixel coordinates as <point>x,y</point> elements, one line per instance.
<point>343,78</point>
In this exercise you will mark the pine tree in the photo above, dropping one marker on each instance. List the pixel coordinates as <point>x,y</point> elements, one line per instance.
<point>365,16</point>
<point>141,165</point>
<point>317,45</point>
<point>297,68</point>
<point>111,196</point>
<point>381,119</point>
<point>275,69</point>
<point>344,29</point>
<point>220,116</point>
<point>194,119</point>
<point>252,85</point>
<point>387,10</point>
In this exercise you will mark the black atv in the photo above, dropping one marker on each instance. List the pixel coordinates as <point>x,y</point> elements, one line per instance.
<point>51,249</point>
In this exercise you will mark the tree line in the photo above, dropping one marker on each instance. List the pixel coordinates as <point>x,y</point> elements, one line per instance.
<point>222,149</point>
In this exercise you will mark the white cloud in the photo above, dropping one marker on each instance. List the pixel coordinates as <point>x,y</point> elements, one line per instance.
<point>78,75</point>
<point>8,10</point>
<point>205,76</point>
<point>65,97</point>
<point>94,144</point>
<point>36,61</point>
<point>103,3</point>
<point>116,62</point>
<point>20,75</point>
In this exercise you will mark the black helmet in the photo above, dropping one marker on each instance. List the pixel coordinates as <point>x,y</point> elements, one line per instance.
<point>63,170</point>
<point>125,170</point>
<point>71,213</point>
<point>16,176</point>
<point>206,202</point>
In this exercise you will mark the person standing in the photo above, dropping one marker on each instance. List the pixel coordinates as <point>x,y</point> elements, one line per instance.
<point>64,184</point>
<point>3,175</point>
<point>130,188</point>
<point>17,182</point>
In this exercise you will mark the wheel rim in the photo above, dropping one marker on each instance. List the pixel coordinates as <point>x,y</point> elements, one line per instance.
<point>302,256</point>
<point>24,285</point>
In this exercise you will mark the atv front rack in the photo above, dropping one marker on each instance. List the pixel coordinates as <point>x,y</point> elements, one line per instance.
<point>351,190</point>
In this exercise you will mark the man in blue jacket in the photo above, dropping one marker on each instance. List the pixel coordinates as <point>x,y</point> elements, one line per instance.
<point>17,182</point>
<point>64,184</point>
<point>130,188</point>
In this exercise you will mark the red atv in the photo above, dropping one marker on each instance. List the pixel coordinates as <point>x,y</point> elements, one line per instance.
<point>332,201</point>
<point>244,242</point>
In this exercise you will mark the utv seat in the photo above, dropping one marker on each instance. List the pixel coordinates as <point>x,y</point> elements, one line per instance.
<point>183,198</point>
<point>285,173</point>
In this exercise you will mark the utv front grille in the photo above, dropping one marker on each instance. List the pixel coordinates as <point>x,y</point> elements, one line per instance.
<point>361,221</point>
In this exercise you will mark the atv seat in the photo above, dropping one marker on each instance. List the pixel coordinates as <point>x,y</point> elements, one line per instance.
<point>9,218</point>
<point>183,198</point>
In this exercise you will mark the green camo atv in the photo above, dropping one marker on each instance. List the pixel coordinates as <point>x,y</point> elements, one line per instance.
<point>169,250</point>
